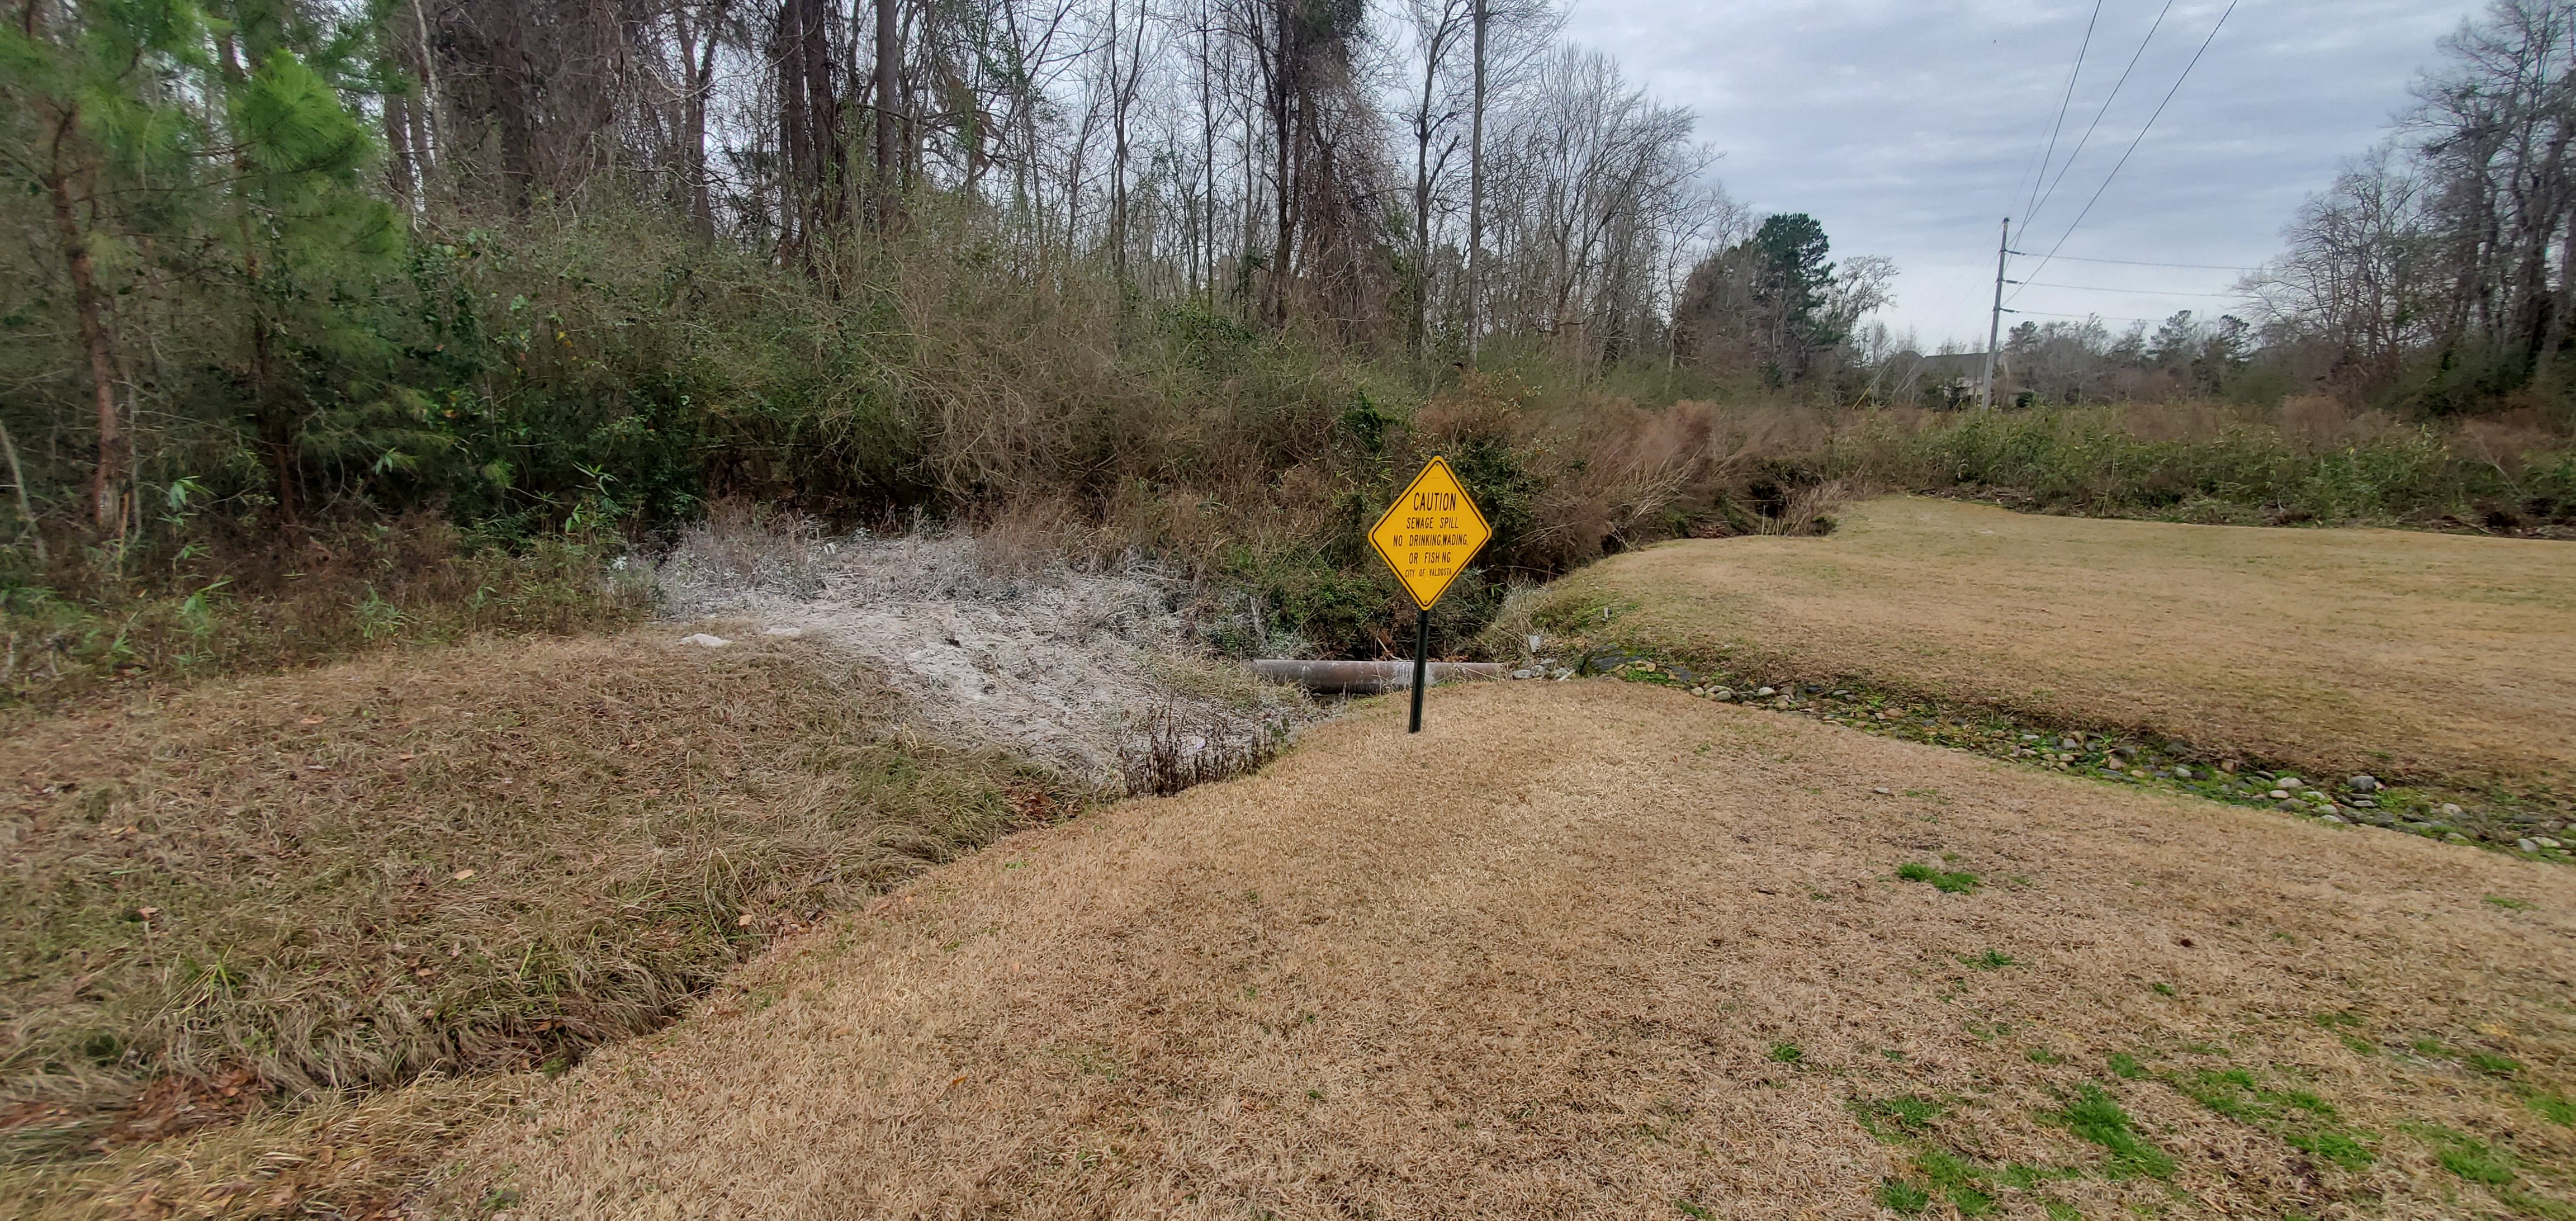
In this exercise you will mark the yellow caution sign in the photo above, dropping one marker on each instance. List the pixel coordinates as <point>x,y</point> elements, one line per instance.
<point>1430,533</point>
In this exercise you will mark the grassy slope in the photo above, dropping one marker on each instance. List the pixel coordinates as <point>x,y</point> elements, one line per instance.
<point>467,861</point>
<point>2404,654</point>
<point>1595,949</point>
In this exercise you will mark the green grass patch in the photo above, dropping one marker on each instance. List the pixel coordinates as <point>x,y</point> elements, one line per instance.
<point>2538,1206</point>
<point>1788,1053</point>
<point>1953,883</point>
<point>2551,1107</point>
<point>1898,1195</point>
<point>1957,1179</point>
<point>1991,960</point>
<point>2469,1157</point>
<point>2509,903</point>
<point>2126,1066</point>
<point>1894,1119</point>
<point>2492,1064</point>
<point>1935,1173</point>
<point>2300,1119</point>
<point>2021,1176</point>
<point>2234,1093</point>
<point>2333,1146</point>
<point>2095,1116</point>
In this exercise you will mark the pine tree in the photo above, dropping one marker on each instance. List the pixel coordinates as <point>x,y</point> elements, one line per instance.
<point>94,125</point>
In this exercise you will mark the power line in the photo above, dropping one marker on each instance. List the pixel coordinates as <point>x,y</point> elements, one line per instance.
<point>2134,57</point>
<point>2063,103</point>
<point>2068,258</point>
<point>2039,313</point>
<point>2141,137</point>
<point>2142,292</point>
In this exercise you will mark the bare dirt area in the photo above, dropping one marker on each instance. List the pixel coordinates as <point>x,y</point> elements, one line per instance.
<point>2396,653</point>
<point>1078,669</point>
<point>1598,949</point>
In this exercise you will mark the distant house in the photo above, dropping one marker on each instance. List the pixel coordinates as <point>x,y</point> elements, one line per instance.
<point>1942,381</point>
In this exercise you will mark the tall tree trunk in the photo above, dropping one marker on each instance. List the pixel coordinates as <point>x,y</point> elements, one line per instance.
<point>423,113</point>
<point>276,427</point>
<point>809,126</point>
<point>1288,27</point>
<point>1207,154</point>
<point>698,42</point>
<point>1251,213</point>
<point>889,87</point>
<point>1285,137</point>
<point>401,178</point>
<point>106,486</point>
<point>1419,324</point>
<point>1476,196</point>
<point>1117,150</point>
<point>18,484</point>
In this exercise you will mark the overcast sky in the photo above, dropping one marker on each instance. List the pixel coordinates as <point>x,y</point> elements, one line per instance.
<point>1910,127</point>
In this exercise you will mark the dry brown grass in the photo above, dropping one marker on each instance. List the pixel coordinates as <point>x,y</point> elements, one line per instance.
<point>2403,654</point>
<point>1551,958</point>
<point>486,859</point>
<point>351,1156</point>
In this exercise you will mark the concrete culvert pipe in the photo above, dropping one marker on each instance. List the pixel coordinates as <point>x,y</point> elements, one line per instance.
<point>1367,677</point>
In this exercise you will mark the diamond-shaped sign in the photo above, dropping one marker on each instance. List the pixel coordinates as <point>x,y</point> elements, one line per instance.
<point>1430,533</point>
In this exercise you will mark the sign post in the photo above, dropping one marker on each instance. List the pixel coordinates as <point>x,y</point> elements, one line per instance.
<point>1427,536</point>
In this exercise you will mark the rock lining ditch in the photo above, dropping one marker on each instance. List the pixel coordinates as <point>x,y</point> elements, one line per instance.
<point>2525,826</point>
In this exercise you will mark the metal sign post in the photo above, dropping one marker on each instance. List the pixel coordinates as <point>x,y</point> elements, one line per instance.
<point>1421,664</point>
<point>1427,536</point>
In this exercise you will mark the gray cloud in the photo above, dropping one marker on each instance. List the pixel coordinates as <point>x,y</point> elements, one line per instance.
<point>1910,129</point>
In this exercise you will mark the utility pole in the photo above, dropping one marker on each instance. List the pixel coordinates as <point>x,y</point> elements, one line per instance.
<point>1995,321</point>
<point>1476,195</point>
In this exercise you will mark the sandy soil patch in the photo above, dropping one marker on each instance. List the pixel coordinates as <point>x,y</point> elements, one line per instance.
<point>1591,949</point>
<point>1077,669</point>
<point>2391,652</point>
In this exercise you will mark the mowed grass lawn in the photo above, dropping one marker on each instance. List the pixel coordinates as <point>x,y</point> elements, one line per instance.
<point>2424,656</point>
<point>1596,949</point>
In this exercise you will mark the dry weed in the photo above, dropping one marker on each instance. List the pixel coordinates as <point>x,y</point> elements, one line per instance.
<point>2506,442</point>
<point>1179,747</point>
<point>741,547</point>
<point>1810,510</point>
<point>357,1156</point>
<point>490,859</point>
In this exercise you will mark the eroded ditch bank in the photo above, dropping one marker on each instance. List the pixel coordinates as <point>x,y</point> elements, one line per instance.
<point>2527,824</point>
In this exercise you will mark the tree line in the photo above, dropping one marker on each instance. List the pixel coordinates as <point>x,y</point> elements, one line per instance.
<point>2439,270</point>
<point>513,258</point>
